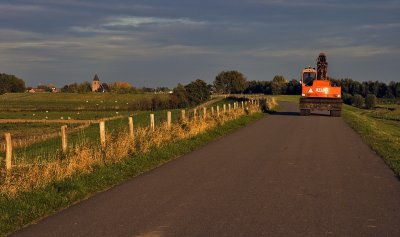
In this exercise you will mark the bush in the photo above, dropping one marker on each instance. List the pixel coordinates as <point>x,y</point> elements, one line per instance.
<point>370,101</point>
<point>358,101</point>
<point>347,98</point>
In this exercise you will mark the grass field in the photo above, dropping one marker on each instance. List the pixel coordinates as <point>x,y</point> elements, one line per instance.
<point>49,149</point>
<point>69,106</point>
<point>75,102</point>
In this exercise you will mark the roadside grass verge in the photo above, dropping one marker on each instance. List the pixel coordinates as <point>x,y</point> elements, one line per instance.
<point>18,211</point>
<point>288,98</point>
<point>382,135</point>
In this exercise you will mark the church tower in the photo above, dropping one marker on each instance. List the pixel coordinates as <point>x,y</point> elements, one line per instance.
<point>95,83</point>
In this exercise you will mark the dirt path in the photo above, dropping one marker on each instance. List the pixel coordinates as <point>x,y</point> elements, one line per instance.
<point>208,103</point>
<point>285,175</point>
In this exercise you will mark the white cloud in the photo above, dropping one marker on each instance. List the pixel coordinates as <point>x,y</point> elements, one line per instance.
<point>138,21</point>
<point>119,24</point>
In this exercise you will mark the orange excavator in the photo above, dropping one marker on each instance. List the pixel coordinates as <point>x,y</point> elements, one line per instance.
<point>317,93</point>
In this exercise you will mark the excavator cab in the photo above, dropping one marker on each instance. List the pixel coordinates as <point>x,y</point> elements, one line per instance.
<point>308,77</point>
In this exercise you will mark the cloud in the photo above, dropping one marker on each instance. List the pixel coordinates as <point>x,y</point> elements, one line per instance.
<point>115,25</point>
<point>359,51</point>
<point>381,26</point>
<point>11,9</point>
<point>338,4</point>
<point>138,21</point>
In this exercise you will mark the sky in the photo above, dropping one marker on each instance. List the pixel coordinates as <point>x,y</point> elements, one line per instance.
<point>164,42</point>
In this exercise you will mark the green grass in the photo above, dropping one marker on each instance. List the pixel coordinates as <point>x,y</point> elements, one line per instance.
<point>27,207</point>
<point>382,135</point>
<point>50,148</point>
<point>287,98</point>
<point>75,102</point>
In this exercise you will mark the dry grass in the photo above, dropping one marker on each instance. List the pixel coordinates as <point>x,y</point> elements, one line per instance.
<point>120,146</point>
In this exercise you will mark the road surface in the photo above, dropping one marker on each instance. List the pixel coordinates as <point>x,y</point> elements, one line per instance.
<point>284,175</point>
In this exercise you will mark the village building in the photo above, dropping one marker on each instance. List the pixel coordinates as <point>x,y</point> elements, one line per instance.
<point>37,90</point>
<point>96,86</point>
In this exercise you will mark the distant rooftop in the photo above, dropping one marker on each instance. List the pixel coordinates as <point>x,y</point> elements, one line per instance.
<point>96,78</point>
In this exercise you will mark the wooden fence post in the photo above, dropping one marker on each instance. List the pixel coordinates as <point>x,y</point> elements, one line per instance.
<point>212,110</point>
<point>229,108</point>
<point>8,150</point>
<point>217,110</point>
<point>130,120</point>
<point>183,116</point>
<point>64,140</point>
<point>242,104</point>
<point>204,113</point>
<point>194,114</point>
<point>169,119</point>
<point>102,126</point>
<point>152,122</point>
<point>224,109</point>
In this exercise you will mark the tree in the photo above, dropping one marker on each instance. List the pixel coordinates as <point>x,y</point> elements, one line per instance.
<point>179,97</point>
<point>293,87</point>
<point>121,87</point>
<point>347,98</point>
<point>370,101</point>
<point>84,87</point>
<point>77,88</point>
<point>230,82</point>
<point>358,101</point>
<point>197,92</point>
<point>279,85</point>
<point>254,87</point>
<point>11,83</point>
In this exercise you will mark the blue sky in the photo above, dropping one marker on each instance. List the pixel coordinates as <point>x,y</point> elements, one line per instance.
<point>164,42</point>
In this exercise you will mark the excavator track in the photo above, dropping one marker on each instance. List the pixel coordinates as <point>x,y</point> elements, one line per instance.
<point>307,104</point>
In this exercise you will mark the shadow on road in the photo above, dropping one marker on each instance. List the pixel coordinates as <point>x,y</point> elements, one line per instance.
<point>286,113</point>
<point>298,114</point>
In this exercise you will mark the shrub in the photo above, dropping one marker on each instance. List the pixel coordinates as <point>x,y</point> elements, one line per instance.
<point>347,98</point>
<point>370,101</point>
<point>358,101</point>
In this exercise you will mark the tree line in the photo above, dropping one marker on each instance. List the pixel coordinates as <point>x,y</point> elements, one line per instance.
<point>235,82</point>
<point>225,82</point>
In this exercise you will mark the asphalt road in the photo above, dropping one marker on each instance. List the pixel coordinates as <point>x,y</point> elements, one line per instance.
<point>284,175</point>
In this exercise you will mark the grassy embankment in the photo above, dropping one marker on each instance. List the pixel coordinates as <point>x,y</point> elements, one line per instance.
<point>28,206</point>
<point>380,129</point>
